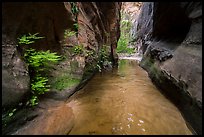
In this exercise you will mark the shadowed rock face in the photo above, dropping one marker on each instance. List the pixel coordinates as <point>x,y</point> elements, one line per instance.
<point>98,27</point>
<point>170,35</point>
<point>98,30</point>
<point>15,77</point>
<point>49,20</point>
<point>171,22</point>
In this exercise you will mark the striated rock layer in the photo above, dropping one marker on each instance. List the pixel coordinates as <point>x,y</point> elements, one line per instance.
<point>171,39</point>
<point>99,27</point>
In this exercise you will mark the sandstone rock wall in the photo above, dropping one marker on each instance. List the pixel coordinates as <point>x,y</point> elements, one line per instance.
<point>170,35</point>
<point>99,26</point>
<point>97,23</point>
<point>49,20</point>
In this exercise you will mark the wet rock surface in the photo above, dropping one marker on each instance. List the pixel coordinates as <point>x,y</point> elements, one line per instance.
<point>176,28</point>
<point>54,118</point>
<point>160,54</point>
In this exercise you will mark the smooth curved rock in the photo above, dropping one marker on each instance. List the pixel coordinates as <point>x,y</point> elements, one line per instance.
<point>57,119</point>
<point>177,28</point>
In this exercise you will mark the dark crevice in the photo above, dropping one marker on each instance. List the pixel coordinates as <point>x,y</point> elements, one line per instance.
<point>172,25</point>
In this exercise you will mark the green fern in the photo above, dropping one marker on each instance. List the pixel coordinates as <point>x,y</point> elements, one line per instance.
<point>29,39</point>
<point>69,33</point>
<point>33,101</point>
<point>37,59</point>
<point>40,86</point>
<point>38,62</point>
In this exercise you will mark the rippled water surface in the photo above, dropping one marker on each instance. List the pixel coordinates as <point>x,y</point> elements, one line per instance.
<point>124,101</point>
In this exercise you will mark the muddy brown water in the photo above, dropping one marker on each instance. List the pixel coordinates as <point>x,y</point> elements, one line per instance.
<point>124,101</point>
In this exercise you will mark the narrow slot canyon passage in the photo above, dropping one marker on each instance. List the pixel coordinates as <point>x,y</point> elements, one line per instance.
<point>97,68</point>
<point>124,101</point>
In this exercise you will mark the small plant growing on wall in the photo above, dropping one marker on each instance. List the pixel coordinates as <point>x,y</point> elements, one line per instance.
<point>69,33</point>
<point>78,49</point>
<point>74,7</point>
<point>76,27</point>
<point>29,39</point>
<point>75,10</point>
<point>39,64</point>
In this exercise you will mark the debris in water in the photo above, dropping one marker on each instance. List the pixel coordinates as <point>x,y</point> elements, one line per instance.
<point>130,119</point>
<point>141,121</point>
<point>130,114</point>
<point>143,129</point>
<point>139,124</point>
<point>128,125</point>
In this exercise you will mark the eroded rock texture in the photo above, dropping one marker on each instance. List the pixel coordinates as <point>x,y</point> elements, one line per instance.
<point>15,77</point>
<point>57,119</point>
<point>49,20</point>
<point>98,33</point>
<point>98,30</point>
<point>99,26</point>
<point>170,35</point>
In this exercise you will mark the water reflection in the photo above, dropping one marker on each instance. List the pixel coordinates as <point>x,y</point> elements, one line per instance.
<point>124,101</point>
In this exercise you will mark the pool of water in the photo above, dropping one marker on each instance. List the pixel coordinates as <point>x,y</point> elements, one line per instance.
<point>124,101</point>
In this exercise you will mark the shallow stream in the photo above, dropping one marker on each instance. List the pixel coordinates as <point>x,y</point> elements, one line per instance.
<point>124,101</point>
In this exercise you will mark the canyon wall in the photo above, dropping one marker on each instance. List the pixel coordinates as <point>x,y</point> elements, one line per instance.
<point>97,27</point>
<point>97,33</point>
<point>23,18</point>
<point>170,35</point>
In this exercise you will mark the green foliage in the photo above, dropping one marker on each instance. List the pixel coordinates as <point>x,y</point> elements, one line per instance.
<point>33,101</point>
<point>89,53</point>
<point>126,25</point>
<point>76,27</point>
<point>78,49</point>
<point>122,45</point>
<point>74,7</point>
<point>103,54</point>
<point>38,62</point>
<point>10,114</point>
<point>69,33</point>
<point>65,81</point>
<point>39,85</point>
<point>40,59</point>
<point>75,10</point>
<point>29,39</point>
